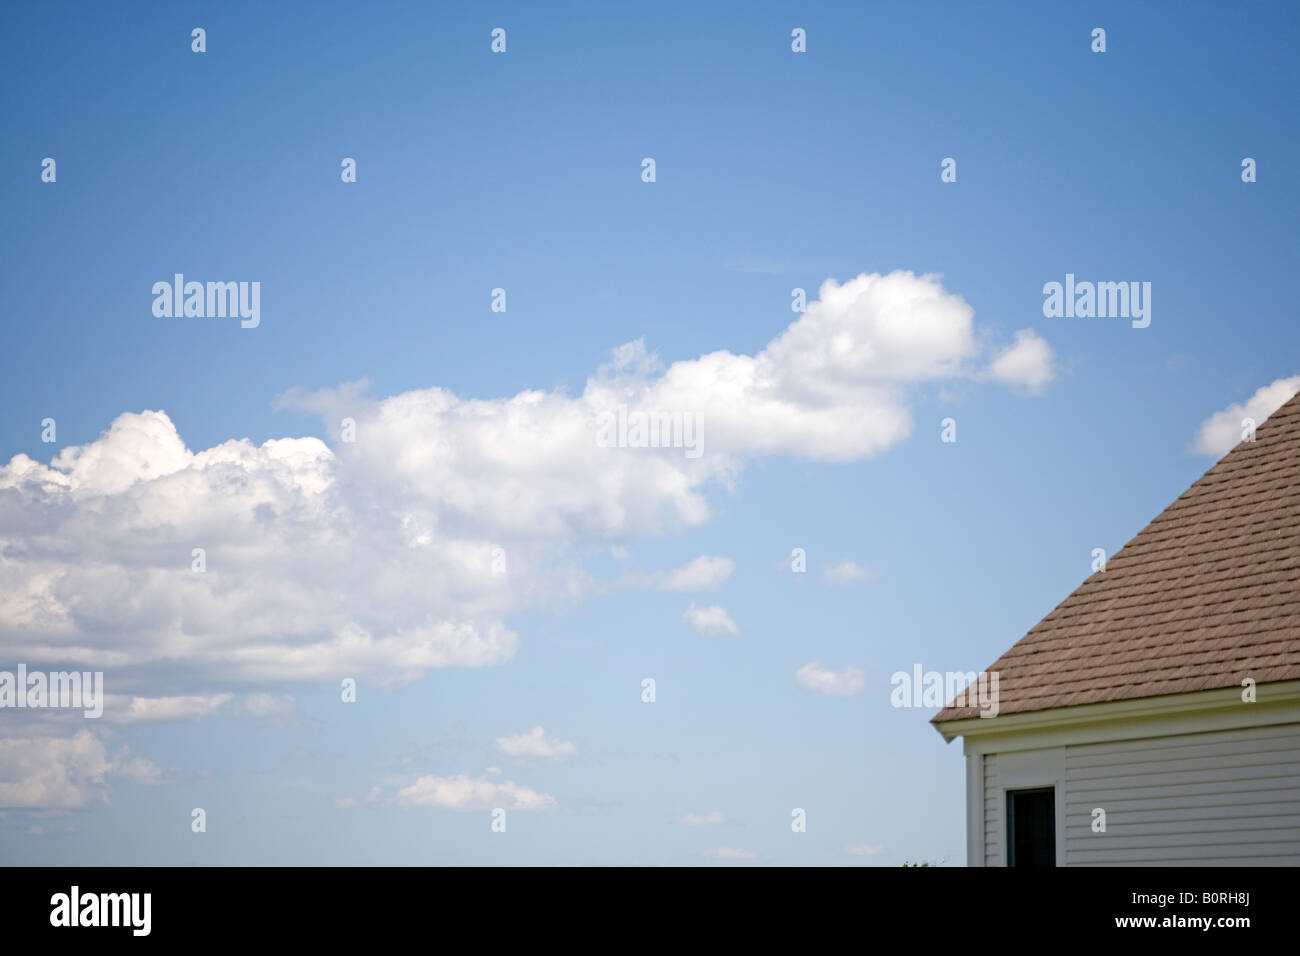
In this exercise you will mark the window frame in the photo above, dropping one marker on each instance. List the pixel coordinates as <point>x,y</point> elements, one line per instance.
<point>1009,794</point>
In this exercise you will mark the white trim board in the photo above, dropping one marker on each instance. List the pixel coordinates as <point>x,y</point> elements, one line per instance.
<point>1196,712</point>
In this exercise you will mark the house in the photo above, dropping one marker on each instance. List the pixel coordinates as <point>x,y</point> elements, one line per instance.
<point>1153,718</point>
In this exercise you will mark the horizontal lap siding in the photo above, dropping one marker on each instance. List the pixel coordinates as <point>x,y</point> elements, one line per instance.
<point>992,798</point>
<point>1224,798</point>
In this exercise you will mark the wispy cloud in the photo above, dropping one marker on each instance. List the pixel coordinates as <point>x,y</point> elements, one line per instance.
<point>535,743</point>
<point>466,794</point>
<point>164,709</point>
<point>705,573</point>
<point>847,571</point>
<point>843,683</point>
<point>712,620</point>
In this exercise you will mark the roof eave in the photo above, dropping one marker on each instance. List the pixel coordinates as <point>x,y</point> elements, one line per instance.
<point>1279,692</point>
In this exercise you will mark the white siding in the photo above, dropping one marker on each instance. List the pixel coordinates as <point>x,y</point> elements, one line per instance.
<point>1223,798</point>
<point>992,801</point>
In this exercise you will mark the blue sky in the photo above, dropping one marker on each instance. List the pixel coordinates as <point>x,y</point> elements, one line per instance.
<point>522,171</point>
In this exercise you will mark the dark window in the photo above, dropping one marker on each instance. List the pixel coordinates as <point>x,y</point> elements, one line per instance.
<point>1031,827</point>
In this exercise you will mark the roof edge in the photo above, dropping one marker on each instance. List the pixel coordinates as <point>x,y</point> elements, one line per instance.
<point>1218,698</point>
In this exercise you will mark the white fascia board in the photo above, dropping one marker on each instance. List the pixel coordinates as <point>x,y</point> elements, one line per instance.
<point>1195,712</point>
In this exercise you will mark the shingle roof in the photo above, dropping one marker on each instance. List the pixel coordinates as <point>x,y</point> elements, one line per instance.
<point>1204,596</point>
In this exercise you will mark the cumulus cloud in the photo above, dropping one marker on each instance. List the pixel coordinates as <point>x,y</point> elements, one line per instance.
<point>831,387</point>
<point>1221,432</point>
<point>466,794</point>
<point>65,772</point>
<point>1027,363</point>
<point>705,573</point>
<point>409,548</point>
<point>704,819</point>
<point>535,743</point>
<point>710,620</point>
<point>846,571</point>
<point>301,581</point>
<point>844,683</point>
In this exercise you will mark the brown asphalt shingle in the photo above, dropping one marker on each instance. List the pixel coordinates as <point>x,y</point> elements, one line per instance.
<point>1204,596</point>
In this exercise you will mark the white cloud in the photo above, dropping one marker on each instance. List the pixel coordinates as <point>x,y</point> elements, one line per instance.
<point>303,582</point>
<point>831,387</point>
<point>159,709</point>
<point>1221,432</point>
<point>1026,363</point>
<point>466,794</point>
<point>535,743</point>
<point>346,803</point>
<point>824,680</point>
<point>710,620</point>
<point>729,853</point>
<point>375,559</point>
<point>846,571</point>
<point>863,849</point>
<point>53,771</point>
<point>274,708</point>
<point>137,770</point>
<point>705,573</point>
<point>704,819</point>
<point>65,772</point>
